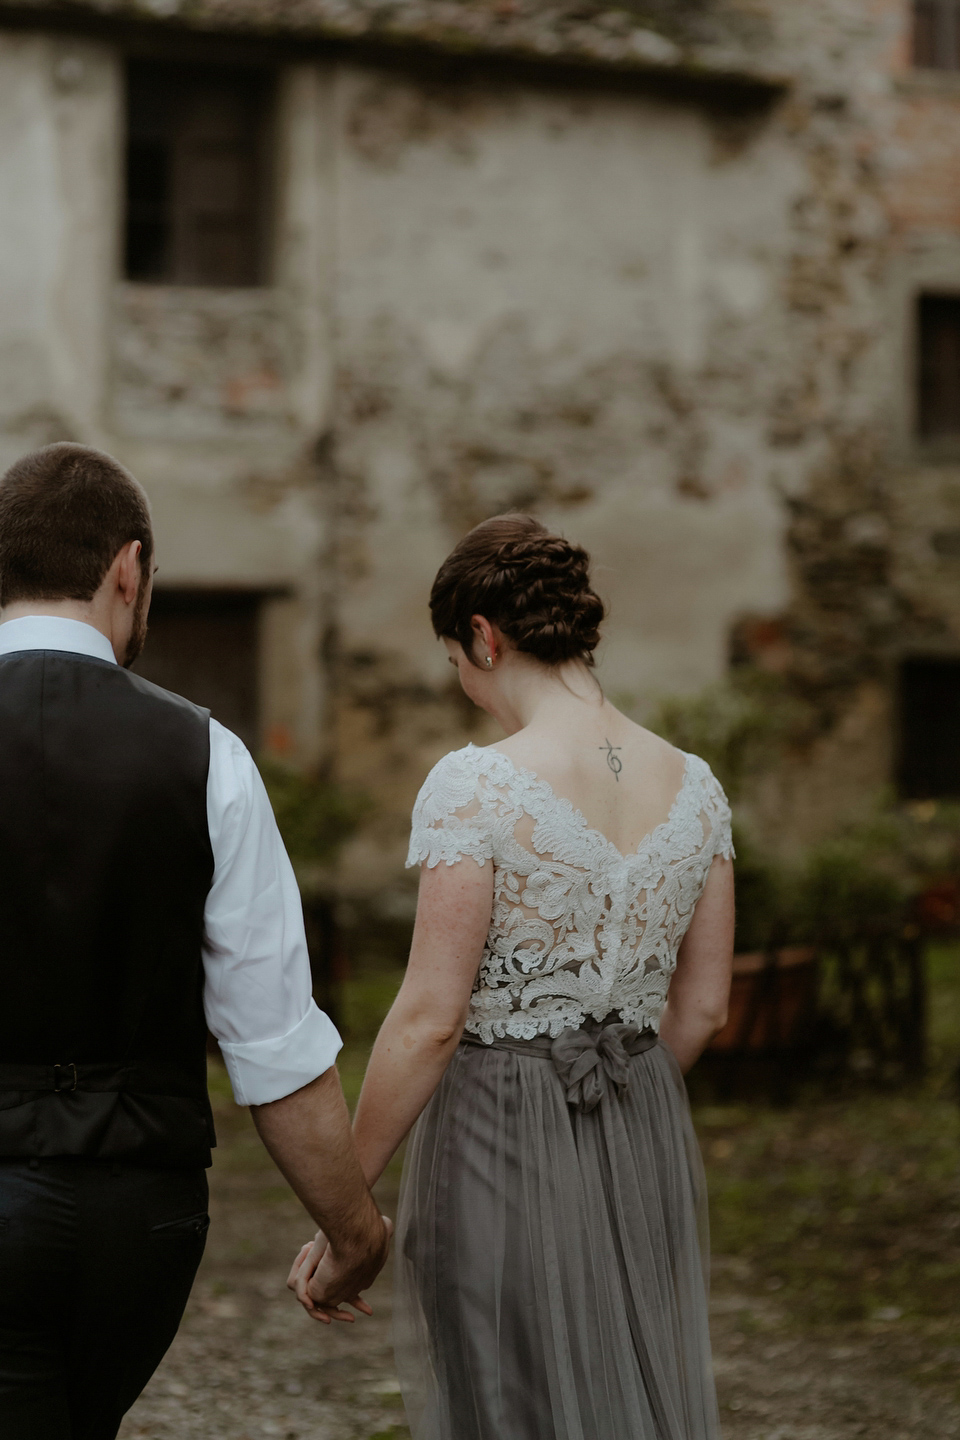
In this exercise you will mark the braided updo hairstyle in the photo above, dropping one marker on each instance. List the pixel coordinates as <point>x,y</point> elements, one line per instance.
<point>533,585</point>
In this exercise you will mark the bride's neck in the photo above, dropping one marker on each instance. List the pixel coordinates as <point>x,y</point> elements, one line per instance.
<point>531,694</point>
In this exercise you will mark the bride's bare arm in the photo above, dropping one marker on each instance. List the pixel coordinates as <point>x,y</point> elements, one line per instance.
<point>700,989</point>
<point>423,1028</point>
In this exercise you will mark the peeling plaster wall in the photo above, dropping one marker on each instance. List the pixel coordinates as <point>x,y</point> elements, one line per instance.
<point>875,521</point>
<point>216,400</point>
<point>682,334</point>
<point>566,303</point>
<point>59,104</point>
<point>219,402</point>
<point>687,340</point>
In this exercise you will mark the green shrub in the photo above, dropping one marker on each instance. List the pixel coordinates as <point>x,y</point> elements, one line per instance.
<point>315,816</point>
<point>766,901</point>
<point>845,895</point>
<point>737,725</point>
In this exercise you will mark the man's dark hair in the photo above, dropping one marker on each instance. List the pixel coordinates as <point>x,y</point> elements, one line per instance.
<point>65,513</point>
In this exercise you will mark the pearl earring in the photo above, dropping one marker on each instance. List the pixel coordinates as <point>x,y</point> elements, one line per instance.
<point>488,661</point>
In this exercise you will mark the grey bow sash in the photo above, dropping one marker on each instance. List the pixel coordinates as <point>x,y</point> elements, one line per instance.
<point>588,1061</point>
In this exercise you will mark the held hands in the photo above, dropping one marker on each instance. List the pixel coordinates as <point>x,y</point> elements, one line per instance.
<point>323,1279</point>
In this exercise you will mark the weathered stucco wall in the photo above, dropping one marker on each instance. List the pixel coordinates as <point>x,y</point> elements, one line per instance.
<point>873,570</point>
<point>567,303</point>
<point>681,331</point>
<point>215,399</point>
<point>688,339</point>
<point>59,114</point>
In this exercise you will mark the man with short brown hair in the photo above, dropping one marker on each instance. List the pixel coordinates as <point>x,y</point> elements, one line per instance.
<point>144,895</point>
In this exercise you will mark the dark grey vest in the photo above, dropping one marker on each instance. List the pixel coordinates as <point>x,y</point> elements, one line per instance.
<point>105,865</point>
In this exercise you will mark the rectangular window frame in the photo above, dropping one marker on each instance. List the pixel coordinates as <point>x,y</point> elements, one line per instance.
<point>936,35</point>
<point>928,755</point>
<point>935,439</point>
<point>256,87</point>
<point>214,607</point>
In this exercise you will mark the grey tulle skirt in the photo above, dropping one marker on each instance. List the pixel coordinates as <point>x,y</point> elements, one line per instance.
<point>551,1263</point>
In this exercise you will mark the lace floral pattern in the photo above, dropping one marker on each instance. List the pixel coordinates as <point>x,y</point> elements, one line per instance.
<point>577,930</point>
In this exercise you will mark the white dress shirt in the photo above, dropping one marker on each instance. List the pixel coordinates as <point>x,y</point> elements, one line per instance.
<point>257,992</point>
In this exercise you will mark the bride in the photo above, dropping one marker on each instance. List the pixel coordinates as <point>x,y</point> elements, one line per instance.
<point>550,1241</point>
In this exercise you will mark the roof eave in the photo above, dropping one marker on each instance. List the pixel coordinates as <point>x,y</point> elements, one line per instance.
<point>586,47</point>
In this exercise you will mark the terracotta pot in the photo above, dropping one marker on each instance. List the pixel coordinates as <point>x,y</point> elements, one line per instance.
<point>937,909</point>
<point>769,1002</point>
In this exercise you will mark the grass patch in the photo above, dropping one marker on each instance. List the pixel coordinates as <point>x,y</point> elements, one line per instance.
<point>365,1000</point>
<point>848,1210</point>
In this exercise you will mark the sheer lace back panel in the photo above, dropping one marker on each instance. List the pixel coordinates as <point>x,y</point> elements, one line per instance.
<point>577,930</point>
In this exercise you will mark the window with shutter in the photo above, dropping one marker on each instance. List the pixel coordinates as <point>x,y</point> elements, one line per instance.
<point>197,150</point>
<point>936,34</point>
<point>203,644</point>
<point>929,759</point>
<point>938,347</point>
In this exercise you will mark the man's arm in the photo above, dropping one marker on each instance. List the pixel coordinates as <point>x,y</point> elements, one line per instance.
<point>280,1049</point>
<point>308,1135</point>
<point>419,1035</point>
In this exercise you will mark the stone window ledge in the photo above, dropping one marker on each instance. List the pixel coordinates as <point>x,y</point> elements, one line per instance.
<point>191,362</point>
<point>929,82</point>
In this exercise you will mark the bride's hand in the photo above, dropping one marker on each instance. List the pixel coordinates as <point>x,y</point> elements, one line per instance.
<point>302,1272</point>
<point>318,1245</point>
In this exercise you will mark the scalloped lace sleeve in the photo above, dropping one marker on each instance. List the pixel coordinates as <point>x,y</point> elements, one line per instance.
<point>450,820</point>
<point>716,814</point>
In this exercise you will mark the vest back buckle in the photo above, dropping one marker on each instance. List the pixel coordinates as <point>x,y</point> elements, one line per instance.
<point>61,1080</point>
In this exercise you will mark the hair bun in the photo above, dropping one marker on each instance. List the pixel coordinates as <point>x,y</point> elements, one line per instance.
<point>533,585</point>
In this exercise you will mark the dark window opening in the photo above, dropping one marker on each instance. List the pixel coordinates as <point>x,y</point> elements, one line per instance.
<point>939,367</point>
<point>936,34</point>
<point>203,644</point>
<point>196,174</point>
<point>929,761</point>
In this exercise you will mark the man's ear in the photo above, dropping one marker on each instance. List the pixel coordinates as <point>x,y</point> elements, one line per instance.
<point>129,572</point>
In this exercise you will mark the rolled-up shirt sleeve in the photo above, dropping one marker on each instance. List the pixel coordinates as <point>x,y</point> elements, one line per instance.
<point>258,990</point>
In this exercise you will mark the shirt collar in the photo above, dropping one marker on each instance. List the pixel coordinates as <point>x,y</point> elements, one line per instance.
<point>54,632</point>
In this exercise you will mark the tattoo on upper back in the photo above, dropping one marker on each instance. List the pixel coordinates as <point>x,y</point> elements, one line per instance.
<point>613,759</point>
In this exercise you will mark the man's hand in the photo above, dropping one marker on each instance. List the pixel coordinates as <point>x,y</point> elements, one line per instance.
<point>323,1280</point>
<point>308,1135</point>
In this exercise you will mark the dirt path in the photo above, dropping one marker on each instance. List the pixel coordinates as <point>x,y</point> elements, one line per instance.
<point>835,1386</point>
<point>248,1363</point>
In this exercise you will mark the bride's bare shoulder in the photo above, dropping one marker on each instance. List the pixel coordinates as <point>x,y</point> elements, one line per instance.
<point>656,747</point>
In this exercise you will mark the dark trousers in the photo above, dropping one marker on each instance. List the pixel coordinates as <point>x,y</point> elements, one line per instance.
<point>96,1262</point>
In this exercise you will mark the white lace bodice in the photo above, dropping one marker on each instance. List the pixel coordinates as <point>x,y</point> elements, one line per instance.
<point>577,930</point>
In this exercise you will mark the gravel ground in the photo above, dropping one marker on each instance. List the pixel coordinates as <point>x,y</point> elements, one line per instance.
<point>248,1363</point>
<point>843,1383</point>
